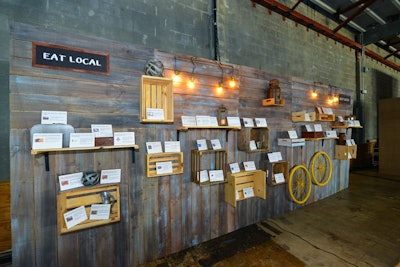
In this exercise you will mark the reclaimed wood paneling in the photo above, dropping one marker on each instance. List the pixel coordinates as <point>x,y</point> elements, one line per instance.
<point>5,218</point>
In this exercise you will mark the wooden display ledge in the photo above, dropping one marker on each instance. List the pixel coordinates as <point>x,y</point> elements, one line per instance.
<point>187,128</point>
<point>345,127</point>
<point>321,138</point>
<point>176,159</point>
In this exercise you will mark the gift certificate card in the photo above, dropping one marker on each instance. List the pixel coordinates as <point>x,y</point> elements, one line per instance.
<point>110,176</point>
<point>318,127</point>
<point>75,216</point>
<point>47,140</point>
<point>216,144</point>
<point>234,167</point>
<point>164,167</point>
<point>188,120</point>
<point>172,146</point>
<point>261,122</point>
<point>70,181</point>
<point>274,156</point>
<point>204,176</point>
<point>248,122</point>
<point>252,145</point>
<point>249,166</point>
<point>81,140</point>
<point>233,121</point>
<point>154,147</point>
<point>248,192</point>
<point>203,120</point>
<point>202,144</point>
<point>102,130</point>
<point>279,178</point>
<point>124,138</point>
<point>100,211</point>
<point>292,134</point>
<point>331,134</point>
<point>154,114</point>
<point>309,128</point>
<point>216,175</point>
<point>54,117</point>
<point>213,121</point>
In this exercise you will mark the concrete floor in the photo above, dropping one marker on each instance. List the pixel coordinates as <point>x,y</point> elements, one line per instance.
<point>359,226</point>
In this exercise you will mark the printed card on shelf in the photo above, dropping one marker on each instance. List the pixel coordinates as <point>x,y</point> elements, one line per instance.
<point>53,117</point>
<point>261,122</point>
<point>353,143</point>
<point>233,121</point>
<point>234,167</point>
<point>164,167</point>
<point>216,175</point>
<point>348,142</point>
<point>47,140</point>
<point>204,176</point>
<point>279,178</point>
<point>248,192</point>
<point>357,123</point>
<point>350,123</point>
<point>292,134</point>
<point>81,140</point>
<point>248,122</point>
<point>75,216</point>
<point>188,120</point>
<point>154,114</point>
<point>252,145</point>
<point>172,146</point>
<point>203,120</point>
<point>307,117</point>
<point>100,211</point>
<point>318,127</point>
<point>340,118</point>
<point>202,144</point>
<point>309,128</point>
<point>216,144</point>
<point>70,181</point>
<point>213,121</point>
<point>102,130</point>
<point>237,195</point>
<point>331,134</point>
<point>249,166</point>
<point>154,147</point>
<point>124,138</point>
<point>274,156</point>
<point>110,176</point>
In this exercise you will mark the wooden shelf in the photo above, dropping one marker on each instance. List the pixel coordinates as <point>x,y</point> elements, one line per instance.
<point>345,127</point>
<point>300,116</point>
<point>176,158</point>
<point>187,128</point>
<point>65,149</point>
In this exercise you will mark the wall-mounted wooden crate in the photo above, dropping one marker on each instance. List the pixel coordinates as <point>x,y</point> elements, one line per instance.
<point>325,117</point>
<point>245,179</point>
<point>344,152</point>
<point>271,102</point>
<point>258,134</point>
<point>176,159</point>
<point>70,200</point>
<point>303,116</point>
<point>277,167</point>
<point>207,160</point>
<point>156,93</point>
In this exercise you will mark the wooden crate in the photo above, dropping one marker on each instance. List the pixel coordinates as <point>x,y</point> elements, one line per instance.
<point>277,167</point>
<point>343,152</point>
<point>271,102</point>
<point>156,93</point>
<point>312,134</point>
<point>236,182</point>
<point>325,117</point>
<point>247,134</point>
<point>207,160</point>
<point>303,116</point>
<point>70,200</point>
<point>176,158</point>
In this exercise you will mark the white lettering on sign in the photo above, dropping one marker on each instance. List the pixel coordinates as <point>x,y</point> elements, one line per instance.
<point>55,57</point>
<point>84,61</point>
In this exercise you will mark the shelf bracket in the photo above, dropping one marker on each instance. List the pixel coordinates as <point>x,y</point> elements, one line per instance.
<point>46,161</point>
<point>177,134</point>
<point>133,155</point>
<point>226,136</point>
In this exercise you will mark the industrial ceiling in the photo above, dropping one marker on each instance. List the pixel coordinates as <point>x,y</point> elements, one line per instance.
<point>372,21</point>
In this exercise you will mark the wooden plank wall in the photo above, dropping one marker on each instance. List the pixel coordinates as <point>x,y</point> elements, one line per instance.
<point>161,215</point>
<point>5,221</point>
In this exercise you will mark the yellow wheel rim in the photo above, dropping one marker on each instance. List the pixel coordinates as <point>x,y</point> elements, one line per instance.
<point>299,184</point>
<point>321,168</point>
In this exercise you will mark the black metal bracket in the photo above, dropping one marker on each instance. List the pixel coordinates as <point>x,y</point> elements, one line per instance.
<point>46,161</point>
<point>133,155</point>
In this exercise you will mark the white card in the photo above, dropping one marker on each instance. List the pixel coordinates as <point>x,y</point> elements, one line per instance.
<point>124,138</point>
<point>188,120</point>
<point>340,118</point>
<point>110,176</point>
<point>309,128</point>
<point>54,117</point>
<point>274,156</point>
<point>203,120</point>
<point>279,178</point>
<point>253,145</point>
<point>249,166</point>
<point>233,121</point>
<point>234,167</point>
<point>213,121</point>
<point>204,176</point>
<point>353,143</point>
<point>102,130</point>
<point>154,114</point>
<point>307,117</point>
<point>164,167</point>
<point>248,192</point>
<point>216,144</point>
<point>348,142</point>
<point>154,147</point>
<point>202,144</point>
<point>75,216</point>
<point>47,140</point>
<point>81,140</point>
<point>350,123</point>
<point>292,134</point>
<point>248,122</point>
<point>331,134</point>
<point>100,211</point>
<point>70,181</point>
<point>216,175</point>
<point>318,127</point>
<point>261,122</point>
<point>172,146</point>
<point>357,123</point>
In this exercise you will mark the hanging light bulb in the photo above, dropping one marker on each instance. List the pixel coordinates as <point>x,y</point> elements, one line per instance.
<point>220,88</point>
<point>232,82</point>
<point>314,93</point>
<point>191,84</point>
<point>176,78</point>
<point>335,98</point>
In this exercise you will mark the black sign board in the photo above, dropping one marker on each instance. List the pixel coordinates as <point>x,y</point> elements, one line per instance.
<point>344,99</point>
<point>66,58</point>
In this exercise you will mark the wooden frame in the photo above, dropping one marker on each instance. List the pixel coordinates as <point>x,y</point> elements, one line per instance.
<point>277,167</point>
<point>259,134</point>
<point>175,157</point>
<point>198,164</point>
<point>342,152</point>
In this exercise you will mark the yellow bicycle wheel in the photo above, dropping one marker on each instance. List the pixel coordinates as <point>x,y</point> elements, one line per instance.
<point>299,184</point>
<point>321,168</point>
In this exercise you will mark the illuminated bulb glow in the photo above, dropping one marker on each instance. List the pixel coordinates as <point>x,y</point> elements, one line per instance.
<point>314,94</point>
<point>191,83</point>
<point>220,89</point>
<point>176,78</point>
<point>232,83</point>
<point>335,99</point>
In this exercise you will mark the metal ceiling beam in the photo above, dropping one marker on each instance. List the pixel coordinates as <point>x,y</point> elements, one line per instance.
<point>350,7</point>
<point>309,23</point>
<point>391,54</point>
<point>382,32</point>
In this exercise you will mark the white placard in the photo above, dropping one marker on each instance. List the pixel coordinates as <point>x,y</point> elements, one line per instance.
<point>309,128</point>
<point>172,146</point>
<point>70,181</point>
<point>102,130</point>
<point>204,176</point>
<point>327,110</point>
<point>234,167</point>
<point>261,122</point>
<point>274,156</point>
<point>248,192</point>
<point>216,175</point>
<point>124,138</point>
<point>292,134</point>
<point>100,211</point>
<point>154,147</point>
<point>249,166</point>
<point>248,122</point>
<point>348,142</point>
<point>353,143</point>
<point>75,216</point>
<point>110,176</point>
<point>202,144</point>
<point>318,127</point>
<point>216,144</point>
<point>252,145</point>
<point>188,120</point>
<point>154,114</point>
<point>164,167</point>
<point>357,123</point>
<point>331,134</point>
<point>279,178</point>
<point>203,120</point>
<point>233,121</point>
<point>307,116</point>
<point>81,140</point>
<point>237,195</point>
<point>47,140</point>
<point>54,117</point>
<point>340,118</point>
<point>350,123</point>
<point>213,121</point>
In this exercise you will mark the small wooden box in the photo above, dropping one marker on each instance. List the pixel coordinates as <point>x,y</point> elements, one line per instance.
<point>271,102</point>
<point>303,116</point>
<point>259,135</point>
<point>325,117</point>
<point>343,152</point>
<point>207,160</point>
<point>277,167</point>
<point>103,141</point>
<point>176,158</point>
<point>244,179</point>
<point>156,93</point>
<point>312,134</point>
<point>70,200</point>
